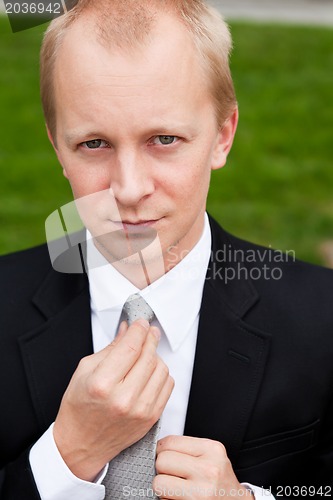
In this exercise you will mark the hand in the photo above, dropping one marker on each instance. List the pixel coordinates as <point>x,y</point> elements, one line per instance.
<point>194,468</point>
<point>114,398</point>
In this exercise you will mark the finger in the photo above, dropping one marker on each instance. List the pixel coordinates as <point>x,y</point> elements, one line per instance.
<point>173,463</point>
<point>146,364</point>
<point>171,488</point>
<point>103,353</point>
<point>189,445</point>
<point>166,392</point>
<point>122,355</point>
<point>156,382</point>
<point>163,398</point>
<point>122,330</point>
<point>123,327</point>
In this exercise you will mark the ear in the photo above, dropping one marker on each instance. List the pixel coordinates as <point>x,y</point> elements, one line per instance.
<point>52,141</point>
<point>224,141</point>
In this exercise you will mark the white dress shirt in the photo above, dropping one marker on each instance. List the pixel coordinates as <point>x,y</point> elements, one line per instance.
<point>177,315</point>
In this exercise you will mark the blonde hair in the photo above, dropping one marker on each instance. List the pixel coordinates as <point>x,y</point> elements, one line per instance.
<point>128,24</point>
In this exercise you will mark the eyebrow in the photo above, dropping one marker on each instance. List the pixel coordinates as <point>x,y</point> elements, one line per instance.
<point>73,137</point>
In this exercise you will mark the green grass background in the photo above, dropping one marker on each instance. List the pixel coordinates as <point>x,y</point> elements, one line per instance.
<point>277,186</point>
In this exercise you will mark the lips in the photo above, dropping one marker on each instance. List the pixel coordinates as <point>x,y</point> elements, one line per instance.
<point>121,239</point>
<point>135,226</point>
<point>138,227</point>
<point>138,223</point>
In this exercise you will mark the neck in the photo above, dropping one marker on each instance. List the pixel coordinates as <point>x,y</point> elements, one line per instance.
<point>150,264</point>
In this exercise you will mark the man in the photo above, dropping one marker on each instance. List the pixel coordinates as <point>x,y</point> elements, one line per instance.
<point>140,107</point>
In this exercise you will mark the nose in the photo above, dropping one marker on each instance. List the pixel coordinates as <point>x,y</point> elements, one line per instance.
<point>131,180</point>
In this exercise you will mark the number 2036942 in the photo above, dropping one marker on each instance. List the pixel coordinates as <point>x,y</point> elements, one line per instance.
<point>33,8</point>
<point>304,491</point>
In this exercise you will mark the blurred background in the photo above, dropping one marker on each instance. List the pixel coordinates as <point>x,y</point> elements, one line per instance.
<point>277,188</point>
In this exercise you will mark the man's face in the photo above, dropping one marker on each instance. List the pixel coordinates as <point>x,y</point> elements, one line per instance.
<point>139,127</point>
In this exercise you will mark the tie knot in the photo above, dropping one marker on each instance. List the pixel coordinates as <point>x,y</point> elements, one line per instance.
<point>136,307</point>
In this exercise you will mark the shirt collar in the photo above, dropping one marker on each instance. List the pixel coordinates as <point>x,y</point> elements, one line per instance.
<point>175,297</point>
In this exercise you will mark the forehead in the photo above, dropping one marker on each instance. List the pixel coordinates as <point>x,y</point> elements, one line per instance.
<point>166,69</point>
<point>166,34</point>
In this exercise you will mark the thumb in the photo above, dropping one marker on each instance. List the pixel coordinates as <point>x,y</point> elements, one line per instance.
<point>100,355</point>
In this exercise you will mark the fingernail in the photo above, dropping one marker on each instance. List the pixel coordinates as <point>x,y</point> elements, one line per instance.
<point>144,323</point>
<point>156,332</point>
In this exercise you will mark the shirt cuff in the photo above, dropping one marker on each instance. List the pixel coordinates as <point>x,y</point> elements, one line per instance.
<point>259,492</point>
<point>53,478</point>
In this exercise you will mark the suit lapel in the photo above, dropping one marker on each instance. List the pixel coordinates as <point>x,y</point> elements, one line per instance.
<point>230,358</point>
<point>229,362</point>
<point>52,351</point>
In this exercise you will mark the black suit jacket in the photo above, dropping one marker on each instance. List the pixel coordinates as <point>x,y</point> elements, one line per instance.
<point>263,372</point>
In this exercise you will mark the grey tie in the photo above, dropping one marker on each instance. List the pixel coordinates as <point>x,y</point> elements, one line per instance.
<point>131,473</point>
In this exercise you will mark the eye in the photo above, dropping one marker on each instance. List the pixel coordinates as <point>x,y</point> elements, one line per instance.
<point>95,144</point>
<point>165,140</point>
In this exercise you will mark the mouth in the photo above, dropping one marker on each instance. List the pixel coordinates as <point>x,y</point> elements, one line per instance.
<point>135,227</point>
